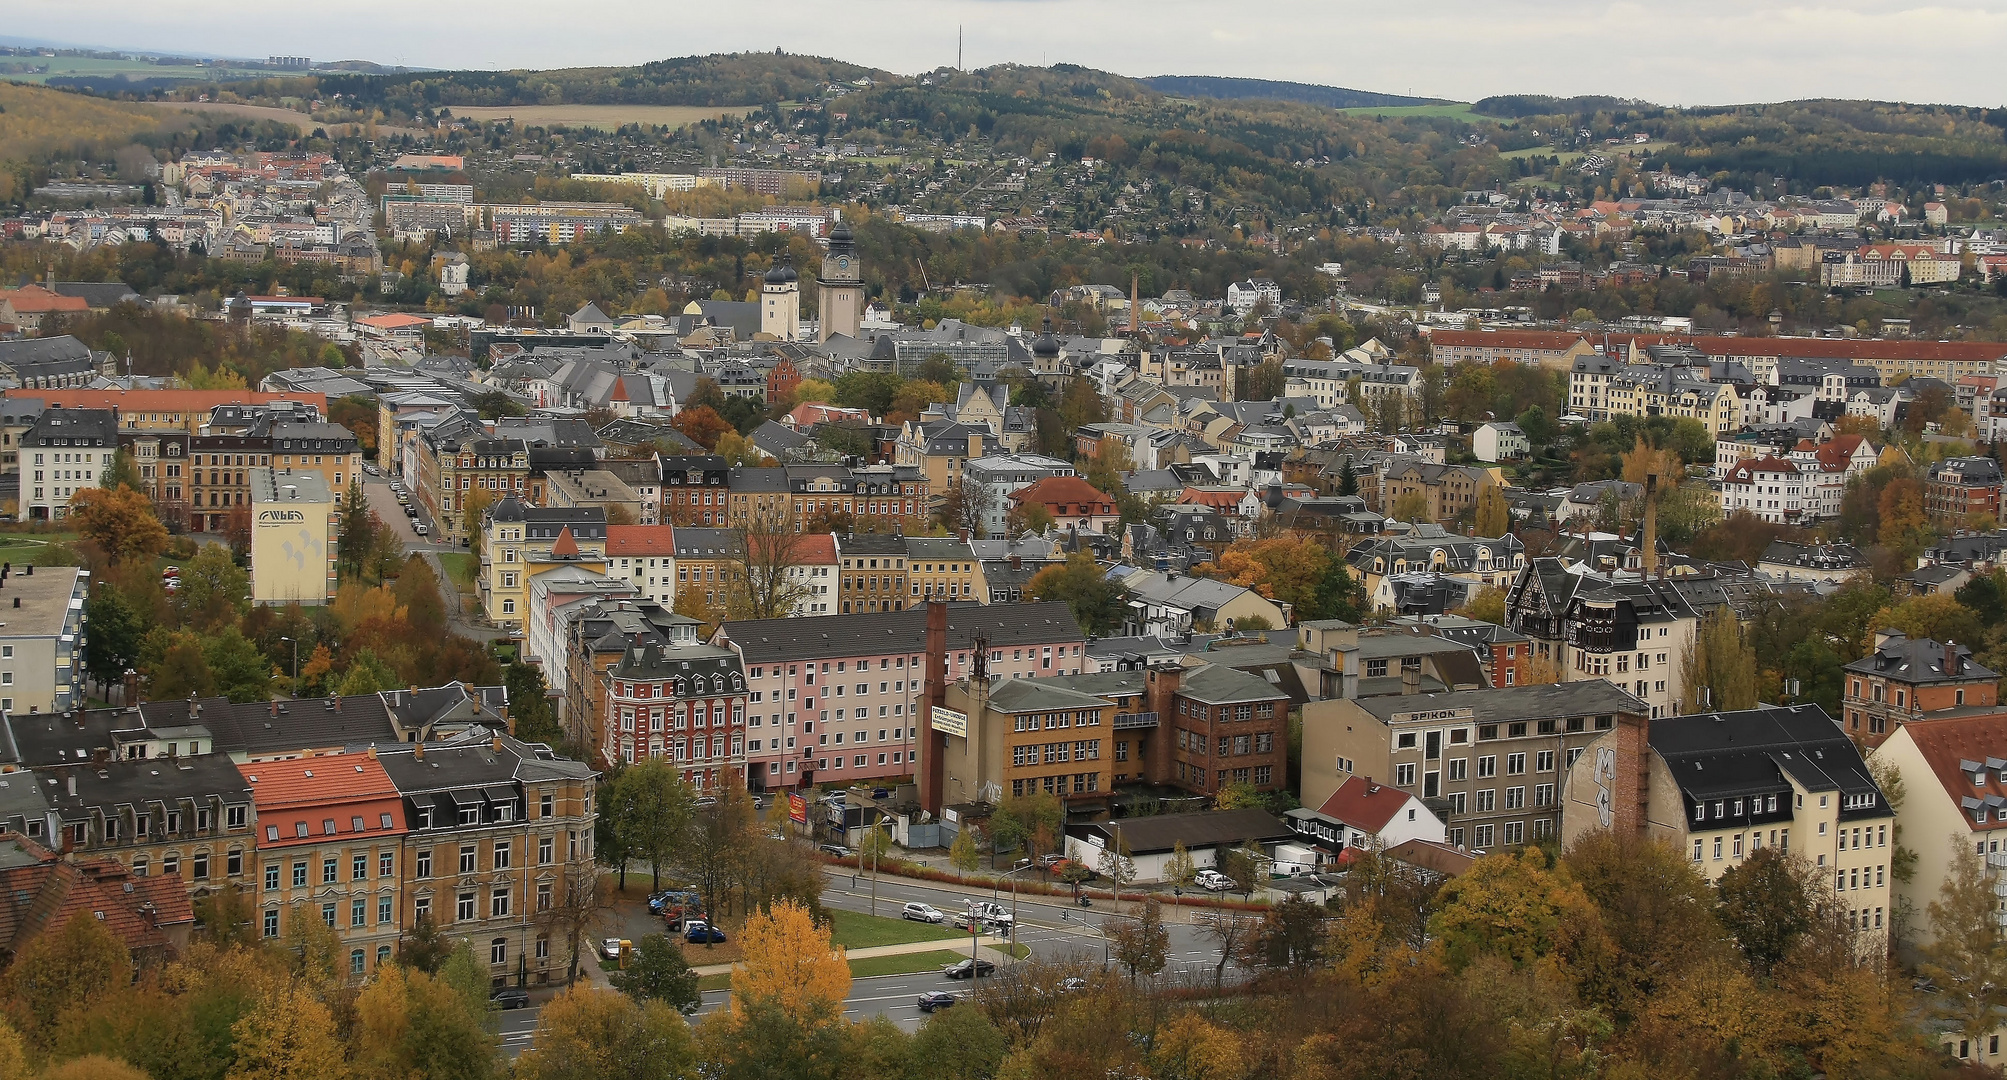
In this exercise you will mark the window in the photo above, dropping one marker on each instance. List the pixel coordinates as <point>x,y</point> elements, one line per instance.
<point>424,868</point>
<point>358,912</point>
<point>272,878</point>
<point>1404,775</point>
<point>328,913</point>
<point>1487,800</point>
<point>358,869</point>
<point>545,846</point>
<point>328,871</point>
<point>1515,764</point>
<point>466,858</point>
<point>299,873</point>
<point>1544,761</point>
<point>1487,767</point>
<point>464,910</point>
<point>498,951</point>
<point>271,922</point>
<point>498,903</point>
<point>502,850</point>
<point>382,910</point>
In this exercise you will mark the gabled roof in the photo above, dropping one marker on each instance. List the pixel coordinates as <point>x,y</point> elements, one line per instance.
<point>1363,804</point>
<point>1958,749</point>
<point>639,540</point>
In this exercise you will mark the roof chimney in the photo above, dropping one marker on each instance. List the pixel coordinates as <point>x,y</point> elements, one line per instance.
<point>418,751</point>
<point>1951,663</point>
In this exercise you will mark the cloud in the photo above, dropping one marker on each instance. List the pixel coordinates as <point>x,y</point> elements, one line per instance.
<point>1703,52</point>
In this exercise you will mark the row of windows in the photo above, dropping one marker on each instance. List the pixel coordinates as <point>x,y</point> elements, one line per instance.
<point>1055,753</point>
<point>1057,785</point>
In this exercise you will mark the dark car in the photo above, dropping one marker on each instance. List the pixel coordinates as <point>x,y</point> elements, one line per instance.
<point>836,850</point>
<point>510,998</point>
<point>698,933</point>
<point>969,969</point>
<point>935,999</point>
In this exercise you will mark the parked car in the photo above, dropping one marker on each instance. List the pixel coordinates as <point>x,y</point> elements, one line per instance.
<point>935,999</point>
<point>1214,880</point>
<point>1049,859</point>
<point>614,948</point>
<point>510,998</point>
<point>967,920</point>
<point>837,850</point>
<point>926,913</point>
<point>1072,984</point>
<point>410,511</point>
<point>170,584</point>
<point>170,572</point>
<point>994,914</point>
<point>697,932</point>
<point>419,527</point>
<point>969,969</point>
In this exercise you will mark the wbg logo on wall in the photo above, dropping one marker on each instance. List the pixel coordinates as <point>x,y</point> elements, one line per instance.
<point>268,518</point>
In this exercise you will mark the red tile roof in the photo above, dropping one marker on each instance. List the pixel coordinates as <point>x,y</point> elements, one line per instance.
<point>307,800</point>
<point>1364,805</point>
<point>46,893</point>
<point>1053,490</point>
<point>631,540</point>
<point>1945,743</point>
<point>1535,340</point>
<point>565,546</point>
<point>816,549</point>
<point>156,401</point>
<point>1742,472</point>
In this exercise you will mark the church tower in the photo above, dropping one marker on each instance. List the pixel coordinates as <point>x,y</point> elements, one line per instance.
<point>841,304</point>
<point>780,302</point>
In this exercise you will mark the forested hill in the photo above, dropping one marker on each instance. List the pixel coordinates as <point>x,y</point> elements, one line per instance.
<point>723,79</point>
<point>1331,97</point>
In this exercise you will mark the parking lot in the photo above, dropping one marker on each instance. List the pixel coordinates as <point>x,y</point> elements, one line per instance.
<point>384,501</point>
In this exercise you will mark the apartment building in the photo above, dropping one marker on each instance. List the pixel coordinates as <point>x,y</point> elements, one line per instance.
<point>939,568</point>
<point>1550,349</point>
<point>695,488</point>
<point>492,822</point>
<point>644,555</point>
<point>1720,787</point>
<point>1615,624</point>
<point>1960,490</point>
<point>1489,763</point>
<point>1905,680</point>
<point>1954,806</point>
<point>330,831</point>
<point>678,700</point>
<point>66,451</point>
<point>186,411</point>
<point>189,817</point>
<point>520,541</point>
<point>1770,488</point>
<point>872,572</point>
<point>839,698</point>
<point>708,561</point>
<point>328,449</point>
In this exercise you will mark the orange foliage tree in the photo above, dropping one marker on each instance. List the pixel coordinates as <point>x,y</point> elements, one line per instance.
<point>790,965</point>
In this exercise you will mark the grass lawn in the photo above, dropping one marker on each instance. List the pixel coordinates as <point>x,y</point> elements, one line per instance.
<point>461,567</point>
<point>1455,110</point>
<point>20,548</point>
<point>714,982</point>
<point>903,963</point>
<point>858,931</point>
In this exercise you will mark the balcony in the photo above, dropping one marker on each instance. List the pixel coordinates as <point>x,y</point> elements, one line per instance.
<point>1127,720</point>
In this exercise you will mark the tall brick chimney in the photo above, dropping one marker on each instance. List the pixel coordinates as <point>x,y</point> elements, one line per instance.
<point>1623,770</point>
<point>934,745</point>
<point>1160,695</point>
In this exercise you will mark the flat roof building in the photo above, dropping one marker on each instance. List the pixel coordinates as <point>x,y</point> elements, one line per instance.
<point>294,532</point>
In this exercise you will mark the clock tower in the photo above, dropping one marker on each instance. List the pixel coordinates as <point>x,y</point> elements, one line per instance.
<point>840,308</point>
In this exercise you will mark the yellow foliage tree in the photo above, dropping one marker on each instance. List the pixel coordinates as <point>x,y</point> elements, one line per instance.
<point>1494,518</point>
<point>1410,506</point>
<point>1194,1048</point>
<point>591,1032</point>
<point>288,1035</point>
<point>791,965</point>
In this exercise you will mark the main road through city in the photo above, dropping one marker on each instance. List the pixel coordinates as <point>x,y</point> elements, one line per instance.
<point>1039,926</point>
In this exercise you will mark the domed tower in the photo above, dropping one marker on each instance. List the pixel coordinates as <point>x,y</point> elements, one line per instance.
<point>780,301</point>
<point>1045,350</point>
<point>841,301</point>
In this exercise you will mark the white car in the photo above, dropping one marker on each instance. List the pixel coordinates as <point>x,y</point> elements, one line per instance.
<point>419,528</point>
<point>1213,880</point>
<point>988,912</point>
<point>926,913</point>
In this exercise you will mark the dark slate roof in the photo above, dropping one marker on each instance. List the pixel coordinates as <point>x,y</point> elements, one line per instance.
<point>1207,829</point>
<point>1920,660</point>
<point>1728,755</point>
<point>766,641</point>
<point>1590,697</point>
<point>651,660</point>
<point>144,782</point>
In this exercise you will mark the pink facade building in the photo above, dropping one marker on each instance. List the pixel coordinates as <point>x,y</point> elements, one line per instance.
<point>836,700</point>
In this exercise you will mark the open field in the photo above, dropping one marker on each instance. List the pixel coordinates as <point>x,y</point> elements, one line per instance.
<point>1455,110</point>
<point>904,963</point>
<point>461,567</point>
<point>603,117</point>
<point>1572,156</point>
<point>299,120</point>
<point>22,548</point>
<point>91,66</point>
<point>857,931</point>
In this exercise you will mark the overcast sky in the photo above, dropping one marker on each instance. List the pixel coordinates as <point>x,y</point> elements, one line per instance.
<point>1695,52</point>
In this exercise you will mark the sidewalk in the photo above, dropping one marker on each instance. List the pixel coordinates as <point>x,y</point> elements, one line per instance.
<point>938,945</point>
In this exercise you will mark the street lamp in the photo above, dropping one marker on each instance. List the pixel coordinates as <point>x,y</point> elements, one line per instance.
<point>887,822</point>
<point>296,663</point>
<point>996,889</point>
<point>1068,916</point>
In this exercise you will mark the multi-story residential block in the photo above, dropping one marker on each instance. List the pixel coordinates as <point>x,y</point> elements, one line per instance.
<point>939,568</point>
<point>1908,679</point>
<point>709,562</point>
<point>1448,490</point>
<point>872,572</point>
<point>644,555</point>
<point>1770,488</point>
<point>1550,349</point>
<point>328,449</point>
<point>994,478</point>
<point>1505,655</point>
<point>520,541</point>
<point>1021,737</point>
<point>186,411</point>
<point>1954,806</point>
<point>330,833</point>
<point>1630,628</point>
<point>219,487</point>
<point>1431,549</point>
<point>1720,787</point>
<point>63,453</point>
<point>492,824</point>
<point>679,700</point>
<point>1071,503</point>
<point>295,534</point>
<point>1489,763</point>
<point>1336,659</point>
<point>595,632</point>
<point>695,488</point>
<point>188,817</point>
<point>839,698</point>
<point>1960,490</point>
<point>43,639</point>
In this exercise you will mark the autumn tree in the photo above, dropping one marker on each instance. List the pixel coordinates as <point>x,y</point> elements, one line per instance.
<point>1938,617</point>
<point>1494,518</point>
<point>657,972</point>
<point>1719,663</point>
<point>288,1035</point>
<point>358,540</point>
<point>1141,944</point>
<point>474,507</point>
<point>580,900</point>
<point>590,1034</point>
<point>1411,506</point>
<point>408,1023</point>
<point>1282,568</point>
<point>1099,604</point>
<point>120,521</point>
<point>1519,906</point>
<point>652,809</point>
<point>63,970</point>
<point>770,553</point>
<point>1765,904</point>
<point>964,854</point>
<point>214,591</point>
<point>702,425</point>
<point>790,965</point>
<point>1967,951</point>
<point>1904,529</point>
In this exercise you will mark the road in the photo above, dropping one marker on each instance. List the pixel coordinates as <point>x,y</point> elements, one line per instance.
<point>1039,926</point>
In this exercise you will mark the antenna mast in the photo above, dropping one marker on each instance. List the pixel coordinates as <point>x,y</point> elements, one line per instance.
<point>958,46</point>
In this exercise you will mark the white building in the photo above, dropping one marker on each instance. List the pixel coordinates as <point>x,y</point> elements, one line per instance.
<point>294,535</point>
<point>1499,441</point>
<point>1369,816</point>
<point>62,454</point>
<point>1769,487</point>
<point>42,659</point>
<point>1242,297</point>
